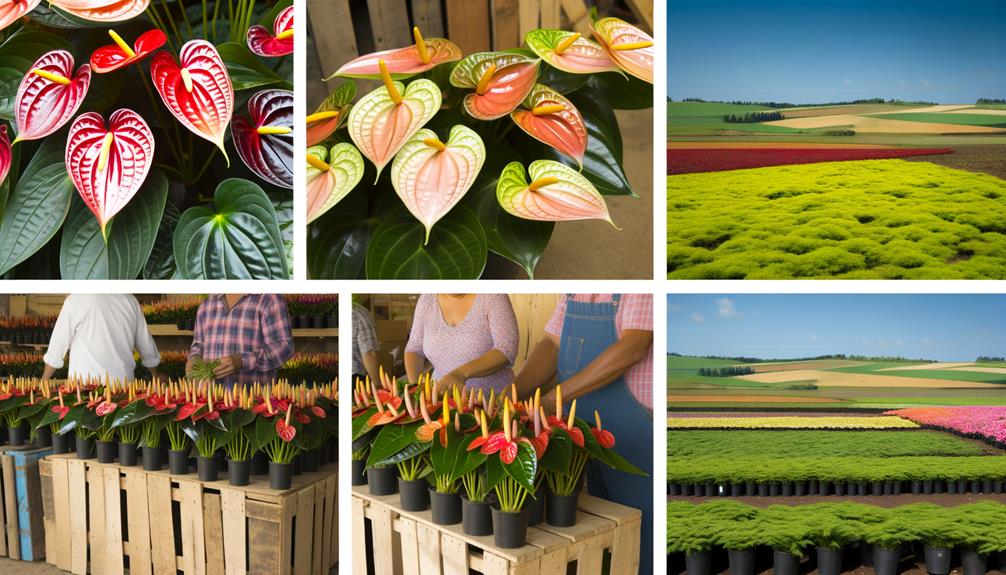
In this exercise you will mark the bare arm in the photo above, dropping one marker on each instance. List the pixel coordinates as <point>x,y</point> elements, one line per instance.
<point>540,367</point>
<point>612,363</point>
<point>48,372</point>
<point>371,364</point>
<point>414,366</point>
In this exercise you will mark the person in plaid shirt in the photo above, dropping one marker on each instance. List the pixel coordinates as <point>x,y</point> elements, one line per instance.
<point>248,333</point>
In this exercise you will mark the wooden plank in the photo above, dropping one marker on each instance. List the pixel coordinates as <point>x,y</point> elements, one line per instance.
<point>318,549</point>
<point>10,508</point>
<point>138,522</point>
<point>409,543</point>
<point>359,537</point>
<point>332,31</point>
<point>643,9</point>
<point>506,24</point>
<point>389,22</point>
<point>468,24</point>
<point>288,507</point>
<point>4,519</point>
<point>427,15</point>
<point>528,14</point>
<point>114,565</point>
<point>625,548</point>
<point>493,564</point>
<point>162,533</point>
<point>48,511</point>
<point>62,550</point>
<point>455,555</point>
<point>591,556</point>
<point>77,485</point>
<point>555,562</point>
<point>330,524</point>
<point>232,507</point>
<point>429,549</point>
<point>383,537</point>
<point>96,513</point>
<point>193,534</point>
<point>213,530</point>
<point>551,15</point>
<point>304,517</point>
<point>577,14</point>
<point>27,483</point>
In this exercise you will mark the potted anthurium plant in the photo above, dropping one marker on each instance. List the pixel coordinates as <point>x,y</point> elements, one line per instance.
<point>17,407</point>
<point>145,139</point>
<point>450,458</point>
<point>388,408</point>
<point>457,156</point>
<point>199,416</point>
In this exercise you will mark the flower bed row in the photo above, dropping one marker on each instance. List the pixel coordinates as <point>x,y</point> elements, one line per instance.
<point>987,423</point>
<point>791,531</point>
<point>696,160</point>
<point>307,311</point>
<point>280,420</point>
<point>791,422</point>
<point>507,457</point>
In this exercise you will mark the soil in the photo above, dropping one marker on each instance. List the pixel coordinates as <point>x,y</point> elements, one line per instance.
<point>985,159</point>
<point>881,125</point>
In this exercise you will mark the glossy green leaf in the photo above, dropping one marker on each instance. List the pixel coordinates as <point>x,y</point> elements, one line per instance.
<point>457,248</point>
<point>237,238</point>
<point>262,433</point>
<point>37,206</point>
<point>622,93</point>
<point>47,14</point>
<point>558,453</point>
<point>17,53</point>
<point>161,263</point>
<point>337,246</point>
<point>246,71</point>
<point>555,193</point>
<point>380,127</point>
<point>607,456</point>
<point>524,467</point>
<point>131,414</point>
<point>360,426</point>
<point>84,254</point>
<point>412,450</point>
<point>454,460</point>
<point>390,440</point>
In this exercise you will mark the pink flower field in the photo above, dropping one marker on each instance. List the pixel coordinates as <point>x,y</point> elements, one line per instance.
<point>983,422</point>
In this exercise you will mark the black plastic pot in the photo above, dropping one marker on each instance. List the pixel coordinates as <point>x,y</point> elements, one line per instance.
<point>824,488</point>
<point>85,448</point>
<point>937,560</point>
<point>975,486</point>
<point>877,488</point>
<point>178,462</point>
<point>862,488</point>
<point>763,490</point>
<point>476,518</point>
<point>239,472</point>
<point>742,561</point>
<point>280,475</point>
<point>311,462</point>
<point>962,486</point>
<point>445,507</point>
<point>107,450</point>
<point>535,507</point>
<point>60,444</point>
<point>43,436</point>
<point>927,486</point>
<point>750,488</point>
<point>127,454</point>
<point>974,563</point>
<point>774,489</point>
<point>829,561</point>
<point>17,436</point>
<point>260,464</point>
<point>736,490</point>
<point>800,488</point>
<point>414,494</point>
<point>784,563</point>
<point>986,486</point>
<point>952,487</point>
<point>207,468</point>
<point>509,529</point>
<point>686,490</point>
<point>382,480</point>
<point>712,490</point>
<point>152,458</point>
<point>698,563</point>
<point>839,488</point>
<point>560,510</point>
<point>673,489</point>
<point>885,561</point>
<point>916,487</point>
<point>298,465</point>
<point>359,472</point>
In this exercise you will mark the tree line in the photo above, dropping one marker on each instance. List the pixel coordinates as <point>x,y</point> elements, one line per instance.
<point>825,104</point>
<point>982,101</point>
<point>752,117</point>
<point>871,358</point>
<point>990,358</point>
<point>727,371</point>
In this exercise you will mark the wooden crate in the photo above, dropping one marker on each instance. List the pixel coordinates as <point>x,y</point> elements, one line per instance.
<point>109,519</point>
<point>405,543</point>
<point>21,513</point>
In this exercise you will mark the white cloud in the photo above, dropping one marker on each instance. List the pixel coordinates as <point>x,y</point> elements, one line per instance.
<point>726,308</point>
<point>674,307</point>
<point>698,318</point>
<point>813,337</point>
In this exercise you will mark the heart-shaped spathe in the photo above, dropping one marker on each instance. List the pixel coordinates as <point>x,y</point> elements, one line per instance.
<point>331,175</point>
<point>379,125</point>
<point>402,62</point>
<point>6,154</point>
<point>11,10</point>
<point>569,52</point>
<point>330,114</point>
<point>119,55</point>
<point>279,43</point>
<point>627,46</point>
<point>49,95</point>
<point>556,193</point>
<point>431,176</point>
<point>108,165</point>
<point>550,118</point>
<point>265,142</point>
<point>103,10</point>
<point>198,92</point>
<point>501,81</point>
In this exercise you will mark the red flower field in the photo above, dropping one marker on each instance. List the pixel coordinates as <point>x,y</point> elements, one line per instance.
<point>694,160</point>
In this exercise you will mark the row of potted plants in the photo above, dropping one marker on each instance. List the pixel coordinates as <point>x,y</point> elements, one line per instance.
<point>495,464</point>
<point>307,311</point>
<point>699,531</point>
<point>27,330</point>
<point>815,487</point>
<point>280,420</point>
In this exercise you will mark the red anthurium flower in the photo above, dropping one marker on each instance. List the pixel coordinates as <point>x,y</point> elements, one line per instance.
<point>603,436</point>
<point>540,443</point>
<point>5,396</point>
<point>188,409</point>
<point>575,433</point>
<point>265,142</point>
<point>279,43</point>
<point>49,95</point>
<point>108,165</point>
<point>197,90</point>
<point>103,10</point>
<point>119,55</point>
<point>105,408</point>
<point>6,156</point>
<point>11,10</point>
<point>286,431</point>
<point>62,410</point>
<point>301,417</point>
<point>318,412</point>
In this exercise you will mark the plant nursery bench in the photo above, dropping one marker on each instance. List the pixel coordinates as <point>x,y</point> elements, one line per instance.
<point>407,543</point>
<point>109,519</point>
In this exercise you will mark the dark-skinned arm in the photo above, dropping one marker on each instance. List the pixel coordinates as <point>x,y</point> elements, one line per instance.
<point>540,368</point>
<point>612,363</point>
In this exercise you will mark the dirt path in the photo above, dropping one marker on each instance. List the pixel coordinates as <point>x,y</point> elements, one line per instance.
<point>985,159</point>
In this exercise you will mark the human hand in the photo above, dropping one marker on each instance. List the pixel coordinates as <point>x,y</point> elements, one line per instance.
<point>229,365</point>
<point>189,364</point>
<point>451,380</point>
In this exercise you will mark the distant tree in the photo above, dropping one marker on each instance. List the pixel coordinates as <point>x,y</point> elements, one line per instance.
<point>983,101</point>
<point>988,358</point>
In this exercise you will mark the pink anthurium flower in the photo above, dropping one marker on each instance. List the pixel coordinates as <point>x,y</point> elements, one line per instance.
<point>331,175</point>
<point>279,43</point>
<point>569,52</point>
<point>383,120</point>
<point>627,46</point>
<point>120,54</point>
<point>431,176</point>
<point>197,90</point>
<point>550,118</point>
<point>556,193</point>
<point>6,156</point>
<point>11,10</point>
<point>49,95</point>
<point>265,141</point>
<point>330,114</point>
<point>402,62</point>
<point>103,10</point>
<point>501,81</point>
<point>108,165</point>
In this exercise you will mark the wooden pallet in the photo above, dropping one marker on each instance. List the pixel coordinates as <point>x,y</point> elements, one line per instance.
<point>405,543</point>
<point>109,519</point>
<point>22,534</point>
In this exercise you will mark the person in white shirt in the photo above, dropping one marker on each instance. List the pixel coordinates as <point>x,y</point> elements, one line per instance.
<point>101,331</point>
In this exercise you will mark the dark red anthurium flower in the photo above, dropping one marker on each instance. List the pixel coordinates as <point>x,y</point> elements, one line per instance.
<point>286,431</point>
<point>6,156</point>
<point>279,43</point>
<point>265,139</point>
<point>119,55</point>
<point>318,412</point>
<point>62,410</point>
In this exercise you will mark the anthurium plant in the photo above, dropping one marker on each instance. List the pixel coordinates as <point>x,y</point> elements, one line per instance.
<point>457,156</point>
<point>145,139</point>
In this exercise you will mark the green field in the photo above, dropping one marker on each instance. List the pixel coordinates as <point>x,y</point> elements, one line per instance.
<point>989,120</point>
<point>874,219</point>
<point>706,118</point>
<point>948,374</point>
<point>786,444</point>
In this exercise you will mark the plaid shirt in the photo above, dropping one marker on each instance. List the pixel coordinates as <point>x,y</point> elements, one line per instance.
<point>257,328</point>
<point>635,311</point>
<point>364,337</point>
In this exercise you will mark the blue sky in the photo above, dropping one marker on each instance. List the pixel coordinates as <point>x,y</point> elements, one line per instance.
<point>813,51</point>
<point>956,327</point>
